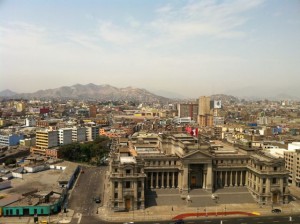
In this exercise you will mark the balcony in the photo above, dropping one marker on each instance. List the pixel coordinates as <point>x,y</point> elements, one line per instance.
<point>128,192</point>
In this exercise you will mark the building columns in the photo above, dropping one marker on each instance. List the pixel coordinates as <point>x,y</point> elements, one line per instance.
<point>241,179</point>
<point>168,179</point>
<point>221,179</point>
<point>151,180</point>
<point>185,184</point>
<point>209,177</point>
<point>173,179</point>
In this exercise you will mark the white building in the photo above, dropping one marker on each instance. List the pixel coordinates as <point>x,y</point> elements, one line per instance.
<point>292,158</point>
<point>78,134</point>
<point>92,133</point>
<point>30,122</point>
<point>183,120</point>
<point>65,136</point>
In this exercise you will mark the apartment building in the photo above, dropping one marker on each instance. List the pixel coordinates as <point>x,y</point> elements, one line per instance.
<point>78,134</point>
<point>292,163</point>
<point>188,110</point>
<point>10,139</point>
<point>46,138</point>
<point>92,132</point>
<point>65,136</point>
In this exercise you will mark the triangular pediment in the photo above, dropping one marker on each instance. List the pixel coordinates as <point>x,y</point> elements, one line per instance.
<point>197,155</point>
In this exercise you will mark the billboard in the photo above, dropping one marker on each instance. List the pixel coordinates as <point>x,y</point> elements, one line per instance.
<point>217,104</point>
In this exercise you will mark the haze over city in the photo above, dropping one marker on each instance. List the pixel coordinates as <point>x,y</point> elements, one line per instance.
<point>191,48</point>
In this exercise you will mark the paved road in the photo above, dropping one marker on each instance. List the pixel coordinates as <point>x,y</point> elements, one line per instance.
<point>276,219</point>
<point>89,185</point>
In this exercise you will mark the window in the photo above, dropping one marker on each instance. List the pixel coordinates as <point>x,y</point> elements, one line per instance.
<point>275,168</point>
<point>261,167</point>
<point>127,184</point>
<point>116,204</point>
<point>274,181</point>
<point>139,183</point>
<point>139,194</point>
<point>264,190</point>
<point>128,172</point>
<point>116,170</point>
<point>116,195</point>
<point>264,180</point>
<point>116,184</point>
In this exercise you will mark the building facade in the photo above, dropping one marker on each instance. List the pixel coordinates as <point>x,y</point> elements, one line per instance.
<point>78,134</point>
<point>46,138</point>
<point>179,161</point>
<point>65,136</point>
<point>10,139</point>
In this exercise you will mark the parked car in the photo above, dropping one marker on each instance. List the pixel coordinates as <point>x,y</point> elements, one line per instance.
<point>179,221</point>
<point>97,200</point>
<point>276,210</point>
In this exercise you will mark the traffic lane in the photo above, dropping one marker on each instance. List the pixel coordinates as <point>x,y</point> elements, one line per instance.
<point>87,187</point>
<point>238,220</point>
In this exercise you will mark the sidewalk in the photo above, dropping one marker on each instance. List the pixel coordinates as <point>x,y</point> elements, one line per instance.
<point>177,212</point>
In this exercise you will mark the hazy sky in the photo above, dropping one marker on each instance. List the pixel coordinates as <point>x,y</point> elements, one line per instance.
<point>189,47</point>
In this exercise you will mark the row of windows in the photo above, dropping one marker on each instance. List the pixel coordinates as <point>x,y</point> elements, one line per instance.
<point>158,163</point>
<point>139,195</point>
<point>128,172</point>
<point>231,161</point>
<point>127,184</point>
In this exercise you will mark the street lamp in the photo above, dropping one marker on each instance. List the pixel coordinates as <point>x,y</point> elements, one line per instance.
<point>225,210</point>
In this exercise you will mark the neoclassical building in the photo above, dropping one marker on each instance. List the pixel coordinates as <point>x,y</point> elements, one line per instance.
<point>149,161</point>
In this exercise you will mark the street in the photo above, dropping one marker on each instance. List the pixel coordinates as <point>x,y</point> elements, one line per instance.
<point>88,186</point>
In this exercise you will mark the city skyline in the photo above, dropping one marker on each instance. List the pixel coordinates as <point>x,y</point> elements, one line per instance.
<point>188,47</point>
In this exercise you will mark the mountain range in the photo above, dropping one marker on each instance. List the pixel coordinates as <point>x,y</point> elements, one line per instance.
<point>108,92</point>
<point>89,92</point>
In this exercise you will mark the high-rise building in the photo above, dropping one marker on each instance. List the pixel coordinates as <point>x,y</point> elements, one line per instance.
<point>93,111</point>
<point>292,157</point>
<point>204,105</point>
<point>188,110</point>
<point>46,138</point>
<point>20,106</point>
<point>92,133</point>
<point>65,136</point>
<point>205,117</point>
<point>78,134</point>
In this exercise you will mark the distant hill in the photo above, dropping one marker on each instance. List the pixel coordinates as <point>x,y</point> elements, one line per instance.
<point>224,98</point>
<point>7,93</point>
<point>266,92</point>
<point>95,92</point>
